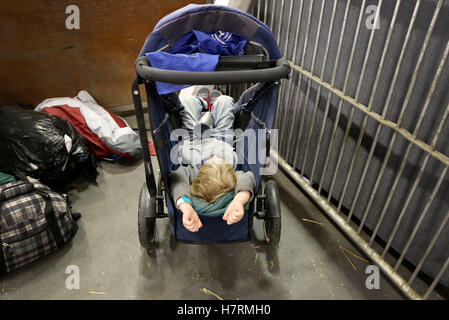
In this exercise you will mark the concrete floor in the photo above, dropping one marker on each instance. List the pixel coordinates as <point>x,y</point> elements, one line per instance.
<point>308,264</point>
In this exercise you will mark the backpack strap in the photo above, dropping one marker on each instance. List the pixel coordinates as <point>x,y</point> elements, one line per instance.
<point>51,218</point>
<point>49,212</point>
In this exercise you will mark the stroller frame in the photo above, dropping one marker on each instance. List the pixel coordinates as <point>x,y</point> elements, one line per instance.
<point>245,69</point>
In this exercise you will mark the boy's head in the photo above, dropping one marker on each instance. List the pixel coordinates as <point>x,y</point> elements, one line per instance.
<point>215,178</point>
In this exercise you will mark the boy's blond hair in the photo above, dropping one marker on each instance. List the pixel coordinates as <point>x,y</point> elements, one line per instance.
<point>213,180</point>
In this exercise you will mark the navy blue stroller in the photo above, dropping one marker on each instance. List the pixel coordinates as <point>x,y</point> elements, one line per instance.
<point>262,66</point>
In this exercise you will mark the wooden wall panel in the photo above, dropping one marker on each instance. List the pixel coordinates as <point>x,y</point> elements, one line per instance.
<point>40,58</point>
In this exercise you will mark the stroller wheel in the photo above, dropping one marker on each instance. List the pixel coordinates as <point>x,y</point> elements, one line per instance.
<point>272,219</point>
<point>146,218</point>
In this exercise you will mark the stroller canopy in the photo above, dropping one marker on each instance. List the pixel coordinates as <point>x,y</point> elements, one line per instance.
<point>210,18</point>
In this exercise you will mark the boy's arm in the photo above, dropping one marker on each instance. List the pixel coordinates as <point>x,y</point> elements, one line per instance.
<point>235,210</point>
<point>190,218</point>
<point>245,182</point>
<point>244,192</point>
<point>180,186</point>
<point>180,181</point>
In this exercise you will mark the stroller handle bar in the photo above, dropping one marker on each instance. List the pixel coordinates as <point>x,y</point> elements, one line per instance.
<point>280,70</point>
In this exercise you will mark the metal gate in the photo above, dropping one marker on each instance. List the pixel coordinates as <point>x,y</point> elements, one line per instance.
<point>362,125</point>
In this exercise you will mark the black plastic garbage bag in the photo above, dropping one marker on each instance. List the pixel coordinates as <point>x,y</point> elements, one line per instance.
<point>42,146</point>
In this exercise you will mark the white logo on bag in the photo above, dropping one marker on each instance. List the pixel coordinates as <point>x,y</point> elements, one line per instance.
<point>72,21</point>
<point>73,280</point>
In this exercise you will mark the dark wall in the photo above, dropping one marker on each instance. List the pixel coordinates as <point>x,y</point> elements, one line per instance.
<point>40,58</point>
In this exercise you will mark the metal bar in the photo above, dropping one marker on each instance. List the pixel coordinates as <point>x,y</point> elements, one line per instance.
<point>281,22</point>
<point>429,248</point>
<point>407,135</point>
<point>404,161</point>
<point>365,119</point>
<point>407,202</point>
<point>295,47</point>
<point>437,279</point>
<point>323,68</point>
<point>420,59</point>
<point>334,74</point>
<point>351,115</point>
<point>385,109</point>
<point>428,98</point>
<point>296,103</point>
<point>258,9</point>
<point>421,217</point>
<point>278,40</point>
<point>429,202</point>
<point>282,89</point>
<point>281,106</point>
<point>371,99</point>
<point>312,68</point>
<point>265,13</point>
<point>137,100</point>
<point>273,10</point>
<point>348,71</point>
<point>333,215</point>
<point>382,122</point>
<point>294,97</point>
<point>289,24</point>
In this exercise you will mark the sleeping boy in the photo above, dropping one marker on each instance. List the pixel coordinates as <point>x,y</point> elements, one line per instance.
<point>209,179</point>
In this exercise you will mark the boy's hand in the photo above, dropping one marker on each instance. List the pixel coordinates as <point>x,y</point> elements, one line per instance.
<point>234,212</point>
<point>190,218</point>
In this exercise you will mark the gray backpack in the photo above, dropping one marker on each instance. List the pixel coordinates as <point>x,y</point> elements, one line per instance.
<point>34,221</point>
